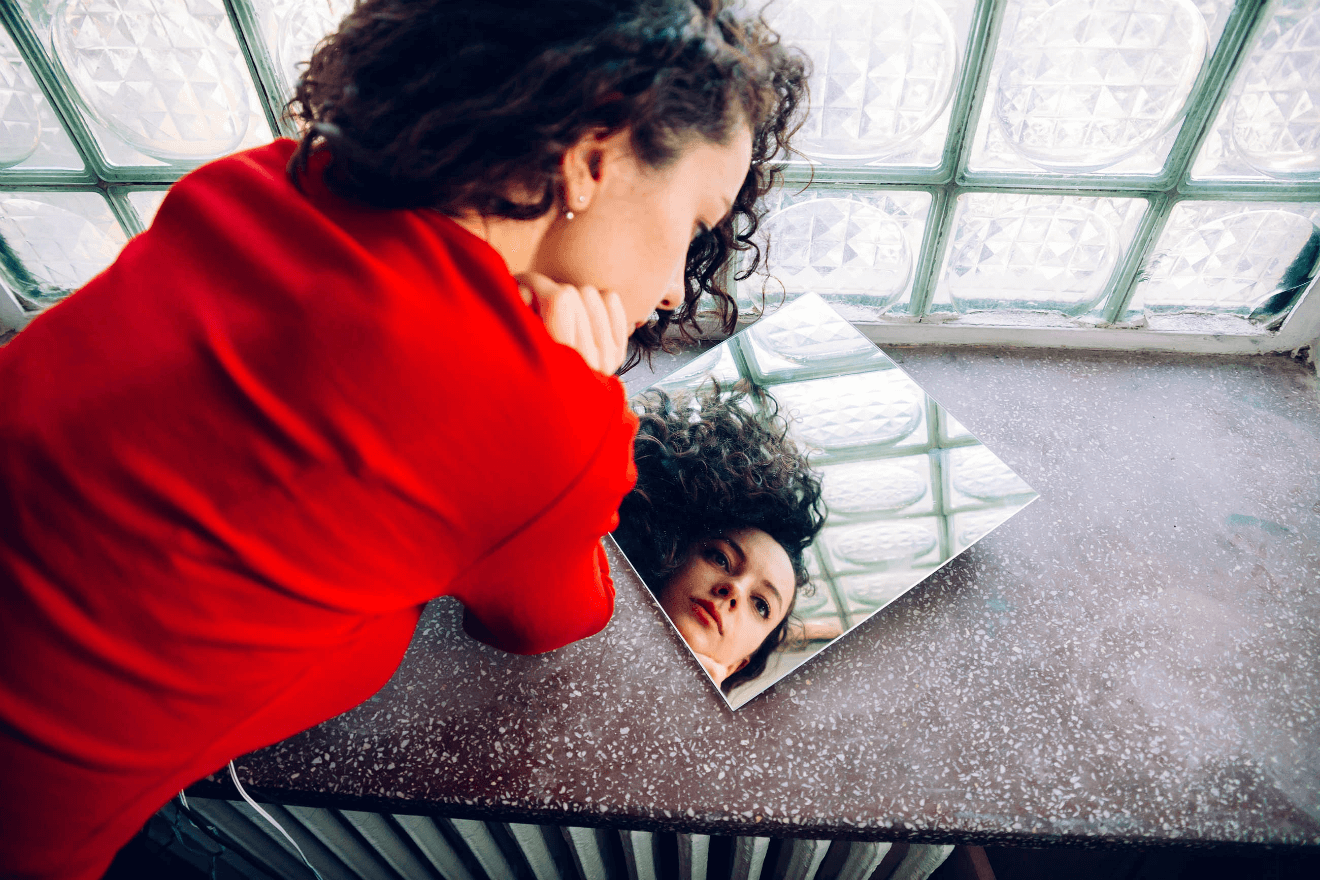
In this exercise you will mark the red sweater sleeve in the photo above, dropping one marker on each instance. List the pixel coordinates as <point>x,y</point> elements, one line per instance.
<point>548,584</point>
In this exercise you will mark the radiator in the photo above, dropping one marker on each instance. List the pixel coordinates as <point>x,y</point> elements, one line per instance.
<point>229,839</point>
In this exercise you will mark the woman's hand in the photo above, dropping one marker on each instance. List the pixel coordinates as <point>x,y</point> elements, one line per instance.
<point>590,322</point>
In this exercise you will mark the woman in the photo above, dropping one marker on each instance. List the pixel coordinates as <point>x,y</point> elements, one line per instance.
<point>724,507</point>
<point>308,399</point>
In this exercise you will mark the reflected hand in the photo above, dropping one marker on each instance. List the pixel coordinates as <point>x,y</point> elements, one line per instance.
<point>588,321</point>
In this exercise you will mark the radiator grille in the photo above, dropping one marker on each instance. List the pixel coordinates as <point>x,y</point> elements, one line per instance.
<point>229,839</point>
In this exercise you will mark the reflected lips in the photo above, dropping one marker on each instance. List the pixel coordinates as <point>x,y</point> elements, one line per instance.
<point>707,607</point>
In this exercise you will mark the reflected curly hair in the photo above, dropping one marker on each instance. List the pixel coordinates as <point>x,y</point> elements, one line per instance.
<point>709,463</point>
<point>456,105</point>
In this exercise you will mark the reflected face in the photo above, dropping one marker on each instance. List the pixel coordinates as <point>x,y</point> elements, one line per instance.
<point>730,593</point>
<point>633,233</point>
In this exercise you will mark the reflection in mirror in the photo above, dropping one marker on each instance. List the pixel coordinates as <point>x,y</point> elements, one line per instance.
<point>792,482</point>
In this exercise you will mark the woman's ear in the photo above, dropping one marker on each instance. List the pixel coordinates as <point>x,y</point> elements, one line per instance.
<point>741,665</point>
<point>586,164</point>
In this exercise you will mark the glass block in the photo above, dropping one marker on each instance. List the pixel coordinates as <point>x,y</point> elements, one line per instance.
<point>968,528</point>
<point>863,409</point>
<point>977,476</point>
<point>163,81</point>
<point>883,543</point>
<point>61,239</point>
<point>883,76</point>
<point>819,337</point>
<point>31,136</point>
<point>1269,125</point>
<point>1036,252</point>
<point>1088,86</point>
<point>870,592</point>
<point>857,250</point>
<point>718,363</point>
<point>146,202</point>
<point>1231,258</point>
<point>879,486</point>
<point>292,28</point>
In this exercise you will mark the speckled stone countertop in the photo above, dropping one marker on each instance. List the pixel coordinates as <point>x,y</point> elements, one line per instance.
<point>1135,658</point>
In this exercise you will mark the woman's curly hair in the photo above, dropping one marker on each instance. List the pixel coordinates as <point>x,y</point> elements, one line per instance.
<point>709,463</point>
<point>456,105</point>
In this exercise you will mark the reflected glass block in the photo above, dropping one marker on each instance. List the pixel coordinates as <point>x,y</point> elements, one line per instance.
<point>1085,86</point>
<point>968,528</point>
<point>1043,253</point>
<point>864,409</point>
<point>146,202</point>
<point>717,363</point>
<point>61,239</point>
<point>977,473</point>
<point>882,76</point>
<point>883,543</point>
<point>857,250</point>
<point>30,134</point>
<point>883,486</point>
<point>870,592</point>
<point>1269,125</point>
<point>819,336</point>
<point>1231,258</point>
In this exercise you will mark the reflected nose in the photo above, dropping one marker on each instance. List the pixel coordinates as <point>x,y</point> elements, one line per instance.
<point>729,591</point>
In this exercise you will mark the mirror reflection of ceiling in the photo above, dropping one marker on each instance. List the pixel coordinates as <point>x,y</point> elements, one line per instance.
<point>907,487</point>
<point>973,160</point>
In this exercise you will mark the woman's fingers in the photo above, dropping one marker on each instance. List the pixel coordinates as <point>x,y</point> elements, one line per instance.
<point>591,323</point>
<point>618,328</point>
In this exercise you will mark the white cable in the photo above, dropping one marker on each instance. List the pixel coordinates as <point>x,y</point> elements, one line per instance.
<point>233,774</point>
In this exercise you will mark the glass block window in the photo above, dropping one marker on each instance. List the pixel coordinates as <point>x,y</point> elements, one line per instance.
<point>105,103</point>
<point>1080,164</point>
<point>1115,165</point>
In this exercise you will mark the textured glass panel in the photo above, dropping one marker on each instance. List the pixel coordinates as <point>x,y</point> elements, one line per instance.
<point>163,81</point>
<point>1092,85</point>
<point>866,409</point>
<point>883,75</point>
<point>30,134</point>
<point>1046,253</point>
<point>886,485</point>
<point>292,28</point>
<point>1269,125</point>
<point>146,202</point>
<point>858,250</point>
<point>1232,258</point>
<point>61,239</point>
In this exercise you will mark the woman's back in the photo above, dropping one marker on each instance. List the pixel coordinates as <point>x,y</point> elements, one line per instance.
<point>234,466</point>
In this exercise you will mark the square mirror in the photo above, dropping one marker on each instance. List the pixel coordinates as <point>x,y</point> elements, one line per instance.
<point>792,482</point>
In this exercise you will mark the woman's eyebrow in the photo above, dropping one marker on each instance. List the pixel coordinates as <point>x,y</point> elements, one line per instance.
<point>779,597</point>
<point>742,555</point>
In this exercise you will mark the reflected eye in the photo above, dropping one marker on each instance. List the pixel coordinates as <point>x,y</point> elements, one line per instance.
<point>716,555</point>
<point>762,607</point>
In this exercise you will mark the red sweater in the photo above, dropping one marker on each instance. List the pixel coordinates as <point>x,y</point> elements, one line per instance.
<point>235,465</point>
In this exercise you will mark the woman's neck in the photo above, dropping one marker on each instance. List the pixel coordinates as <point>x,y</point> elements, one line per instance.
<point>516,241</point>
